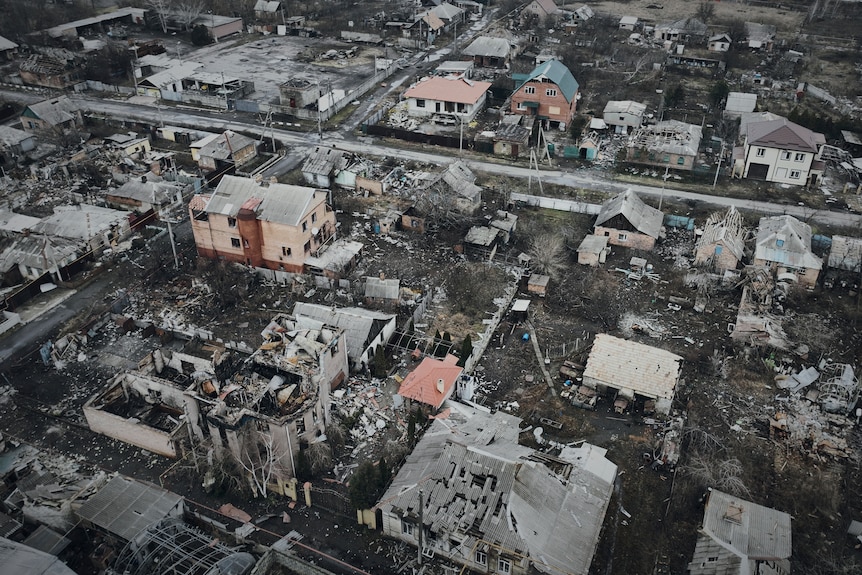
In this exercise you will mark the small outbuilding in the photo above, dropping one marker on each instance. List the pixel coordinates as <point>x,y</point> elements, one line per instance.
<point>537,284</point>
<point>593,250</point>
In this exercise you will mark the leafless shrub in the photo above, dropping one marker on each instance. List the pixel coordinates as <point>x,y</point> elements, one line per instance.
<point>719,365</point>
<point>548,253</point>
<point>319,457</point>
<point>394,451</point>
<point>724,474</point>
<point>702,441</point>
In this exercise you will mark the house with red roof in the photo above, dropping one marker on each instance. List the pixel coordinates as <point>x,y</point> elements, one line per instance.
<point>456,97</point>
<point>777,150</point>
<point>432,382</point>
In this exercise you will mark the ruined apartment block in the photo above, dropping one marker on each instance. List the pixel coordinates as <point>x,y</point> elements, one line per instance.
<point>259,409</point>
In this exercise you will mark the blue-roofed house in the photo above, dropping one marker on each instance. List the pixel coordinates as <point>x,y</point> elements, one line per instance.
<point>549,92</point>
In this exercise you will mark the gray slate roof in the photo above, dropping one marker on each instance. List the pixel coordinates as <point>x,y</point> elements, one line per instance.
<point>743,529</point>
<point>786,241</point>
<point>281,203</point>
<point>24,560</point>
<point>12,137</point>
<point>324,160</point>
<point>488,46</point>
<point>625,364</point>
<point>222,147</point>
<point>645,219</point>
<point>360,325</point>
<point>81,222</point>
<point>54,112</point>
<point>481,484</point>
<point>377,288</point>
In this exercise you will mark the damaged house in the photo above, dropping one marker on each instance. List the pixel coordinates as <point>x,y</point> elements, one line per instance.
<point>452,190</point>
<point>636,372</point>
<point>471,494</point>
<point>52,68</point>
<point>739,537</point>
<point>260,410</point>
<point>59,114</point>
<point>275,226</point>
<point>627,221</point>
<point>322,166</point>
<point>721,246</point>
<point>224,151</point>
<point>757,321</point>
<point>783,245</point>
<point>364,330</point>
<point>669,144</point>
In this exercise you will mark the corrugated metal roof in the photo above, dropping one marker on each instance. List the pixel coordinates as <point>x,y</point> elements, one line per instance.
<point>752,530</point>
<point>150,192</point>
<point>488,46</point>
<point>645,219</point>
<point>281,203</point>
<point>337,256</point>
<point>624,364</point>
<point>785,135</point>
<point>124,506</point>
<point>556,72</point>
<point>16,223</point>
<point>786,241</point>
<point>377,288</point>
<point>740,102</point>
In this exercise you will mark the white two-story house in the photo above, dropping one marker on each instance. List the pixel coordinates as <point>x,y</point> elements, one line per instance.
<point>779,151</point>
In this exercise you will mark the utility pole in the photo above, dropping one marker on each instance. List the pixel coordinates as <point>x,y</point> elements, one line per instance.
<point>718,169</point>
<point>663,184</point>
<point>224,87</point>
<point>319,129</point>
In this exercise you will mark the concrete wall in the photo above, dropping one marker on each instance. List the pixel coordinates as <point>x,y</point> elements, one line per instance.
<point>374,186</point>
<point>130,431</point>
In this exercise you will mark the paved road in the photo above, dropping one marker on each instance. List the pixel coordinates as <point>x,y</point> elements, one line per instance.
<point>585,179</point>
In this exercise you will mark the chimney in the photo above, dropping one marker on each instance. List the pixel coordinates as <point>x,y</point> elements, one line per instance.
<point>382,276</point>
<point>440,385</point>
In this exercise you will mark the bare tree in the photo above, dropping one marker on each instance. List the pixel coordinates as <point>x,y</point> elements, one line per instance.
<point>724,474</point>
<point>705,11</point>
<point>162,8</point>
<point>189,11</point>
<point>259,457</point>
<point>548,253</point>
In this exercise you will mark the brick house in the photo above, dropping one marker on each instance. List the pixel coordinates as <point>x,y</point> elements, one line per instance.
<point>275,227</point>
<point>549,92</point>
<point>722,244</point>
<point>629,222</point>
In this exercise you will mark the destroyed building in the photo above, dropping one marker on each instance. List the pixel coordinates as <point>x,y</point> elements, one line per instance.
<point>721,246</point>
<point>471,494</point>
<point>322,166</point>
<point>758,322</point>
<point>739,537</point>
<point>668,144</point>
<point>634,371</point>
<point>276,227</point>
<point>783,245</point>
<point>52,68</point>
<point>627,221</point>
<point>224,151</point>
<point>260,409</point>
<point>845,254</point>
<point>364,330</point>
<point>451,191</point>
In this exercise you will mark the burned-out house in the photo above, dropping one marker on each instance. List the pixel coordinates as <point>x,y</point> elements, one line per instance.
<point>722,244</point>
<point>669,144</point>
<point>739,537</point>
<point>635,372</point>
<point>783,245</point>
<point>627,221</point>
<point>845,260</point>
<point>258,410</point>
<point>469,493</point>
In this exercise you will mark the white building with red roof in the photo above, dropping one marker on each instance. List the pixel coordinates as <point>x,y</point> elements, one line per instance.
<point>456,97</point>
<point>432,382</point>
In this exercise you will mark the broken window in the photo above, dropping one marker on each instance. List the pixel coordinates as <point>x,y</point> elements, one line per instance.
<point>307,246</point>
<point>231,222</point>
<point>407,528</point>
<point>245,243</point>
<point>234,242</point>
<point>800,157</point>
<point>794,174</point>
<point>300,425</point>
<point>622,237</point>
<point>680,160</point>
<point>785,155</point>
